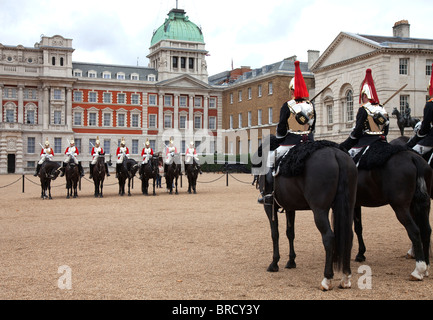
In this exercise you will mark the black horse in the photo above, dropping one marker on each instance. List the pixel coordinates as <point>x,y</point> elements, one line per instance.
<point>173,171</point>
<point>72,175</point>
<point>127,171</point>
<point>328,180</point>
<point>403,182</point>
<point>98,175</point>
<point>192,170</point>
<point>49,171</point>
<point>402,122</point>
<point>149,171</point>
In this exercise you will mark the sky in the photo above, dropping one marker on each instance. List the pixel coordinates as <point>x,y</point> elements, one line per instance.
<point>250,33</point>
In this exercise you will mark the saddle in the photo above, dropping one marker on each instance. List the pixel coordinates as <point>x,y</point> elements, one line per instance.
<point>377,154</point>
<point>292,163</point>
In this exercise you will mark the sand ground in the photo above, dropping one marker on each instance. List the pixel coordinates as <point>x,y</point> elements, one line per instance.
<point>213,245</point>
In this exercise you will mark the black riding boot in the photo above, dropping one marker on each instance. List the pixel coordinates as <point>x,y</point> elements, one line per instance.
<point>267,196</point>
<point>106,169</point>
<point>62,169</point>
<point>38,167</point>
<point>91,171</point>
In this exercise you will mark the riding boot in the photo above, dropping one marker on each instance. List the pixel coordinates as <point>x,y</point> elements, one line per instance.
<point>106,169</point>
<point>38,167</point>
<point>80,168</point>
<point>91,171</point>
<point>62,169</point>
<point>267,195</point>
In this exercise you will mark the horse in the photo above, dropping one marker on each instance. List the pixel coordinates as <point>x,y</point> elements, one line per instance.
<point>49,171</point>
<point>192,170</point>
<point>98,175</point>
<point>328,180</point>
<point>128,169</point>
<point>172,173</point>
<point>149,171</point>
<point>401,121</point>
<point>72,175</point>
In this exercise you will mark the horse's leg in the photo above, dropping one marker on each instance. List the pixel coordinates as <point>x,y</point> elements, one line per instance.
<point>322,223</point>
<point>176,185</point>
<point>129,187</point>
<point>360,257</point>
<point>405,218</point>
<point>154,186</point>
<point>290,232</point>
<point>49,190</point>
<point>275,235</point>
<point>101,186</point>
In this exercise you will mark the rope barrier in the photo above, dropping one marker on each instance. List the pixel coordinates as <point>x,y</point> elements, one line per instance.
<point>10,183</point>
<point>239,180</point>
<point>212,180</point>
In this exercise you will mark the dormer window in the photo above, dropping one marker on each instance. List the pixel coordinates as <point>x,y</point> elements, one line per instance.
<point>121,76</point>
<point>106,75</point>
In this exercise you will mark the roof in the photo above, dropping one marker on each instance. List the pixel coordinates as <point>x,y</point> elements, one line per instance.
<point>177,27</point>
<point>143,72</point>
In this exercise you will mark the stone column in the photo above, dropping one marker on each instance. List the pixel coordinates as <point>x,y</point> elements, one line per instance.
<point>1,102</point>
<point>206,113</point>
<point>46,108</point>
<point>191,115</point>
<point>20,104</point>
<point>68,116</point>
<point>176,111</point>
<point>161,114</point>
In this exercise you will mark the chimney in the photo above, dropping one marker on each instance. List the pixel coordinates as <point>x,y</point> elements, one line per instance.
<point>313,56</point>
<point>401,29</point>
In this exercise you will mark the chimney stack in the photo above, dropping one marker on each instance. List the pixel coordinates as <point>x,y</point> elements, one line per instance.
<point>313,56</point>
<point>401,29</point>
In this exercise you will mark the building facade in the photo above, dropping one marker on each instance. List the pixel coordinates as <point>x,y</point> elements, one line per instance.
<point>44,94</point>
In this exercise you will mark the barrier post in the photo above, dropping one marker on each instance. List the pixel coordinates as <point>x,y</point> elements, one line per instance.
<point>23,183</point>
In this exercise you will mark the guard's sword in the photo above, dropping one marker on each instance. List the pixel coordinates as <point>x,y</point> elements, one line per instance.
<point>396,93</point>
<point>321,91</point>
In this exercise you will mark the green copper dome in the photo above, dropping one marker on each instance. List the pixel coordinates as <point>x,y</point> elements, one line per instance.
<point>177,27</point>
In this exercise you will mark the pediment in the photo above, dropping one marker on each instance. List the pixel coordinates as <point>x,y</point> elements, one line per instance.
<point>184,81</point>
<point>345,47</point>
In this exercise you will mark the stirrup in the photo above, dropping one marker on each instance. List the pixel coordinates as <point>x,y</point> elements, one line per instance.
<point>266,199</point>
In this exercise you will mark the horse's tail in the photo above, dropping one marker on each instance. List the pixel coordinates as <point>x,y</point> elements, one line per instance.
<point>420,205</point>
<point>343,211</point>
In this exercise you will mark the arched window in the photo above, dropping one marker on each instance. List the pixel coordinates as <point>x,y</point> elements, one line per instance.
<point>349,105</point>
<point>61,62</point>
<point>53,61</point>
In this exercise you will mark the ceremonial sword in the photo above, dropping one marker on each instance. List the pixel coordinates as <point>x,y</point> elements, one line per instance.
<point>396,93</point>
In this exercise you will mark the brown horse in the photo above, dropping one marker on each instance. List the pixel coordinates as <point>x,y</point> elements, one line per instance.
<point>328,180</point>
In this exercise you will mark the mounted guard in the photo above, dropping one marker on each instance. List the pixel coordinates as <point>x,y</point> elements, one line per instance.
<point>170,151</point>
<point>46,154</point>
<point>147,153</point>
<point>71,153</point>
<point>191,155</point>
<point>96,151</point>
<point>372,120</point>
<point>296,125</point>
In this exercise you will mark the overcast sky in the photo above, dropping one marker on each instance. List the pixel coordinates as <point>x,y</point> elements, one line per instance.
<point>251,32</point>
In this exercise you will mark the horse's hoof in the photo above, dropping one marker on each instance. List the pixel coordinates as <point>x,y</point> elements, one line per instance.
<point>419,272</point>
<point>345,282</point>
<point>326,285</point>
<point>360,258</point>
<point>291,265</point>
<point>273,268</point>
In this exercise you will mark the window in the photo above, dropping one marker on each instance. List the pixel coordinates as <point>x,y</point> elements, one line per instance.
<point>10,115</point>
<point>404,100</point>
<point>92,74</point>
<point>30,94</point>
<point>182,146</point>
<point>183,62</point>
<point>250,94</point>
<point>240,120</point>
<point>183,101</point>
<point>135,99</point>
<point>121,98</point>
<point>78,118</point>
<point>78,96</point>
<point>260,90</point>
<point>106,75</point>
<point>78,144</point>
<point>240,95</point>
<point>231,122</point>
<point>53,61</point>
<point>212,102</point>
<point>78,73</point>
<point>259,117</point>
<point>270,115</point>
<point>107,97</point>
<point>93,97</point>
<point>270,88</point>
<point>212,123</point>
<point>135,119</point>
<point>30,117</point>
<point>134,146</point>
<point>151,77</point>
<point>135,77</point>
<point>30,164</point>
<point>121,120</point>
<point>120,76</point>
<point>57,117</point>
<point>57,145</point>
<point>197,122</point>
<point>62,61</point>
<point>349,105</point>
<point>167,121</point>
<point>191,63</point>
<point>182,122</point>
<point>152,144</point>
<point>92,119</point>
<point>231,98</point>
<point>152,120</point>
<point>249,118</point>
<point>168,101</point>
<point>403,66</point>
<point>106,119</point>
<point>198,102</point>
<point>107,146</point>
<point>91,144</point>
<point>428,67</point>
<point>329,110</point>
<point>31,145</point>
<point>57,94</point>
<point>175,62</point>
<point>152,100</point>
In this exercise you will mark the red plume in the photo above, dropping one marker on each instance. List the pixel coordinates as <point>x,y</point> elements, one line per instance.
<point>374,99</point>
<point>430,89</point>
<point>300,86</point>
